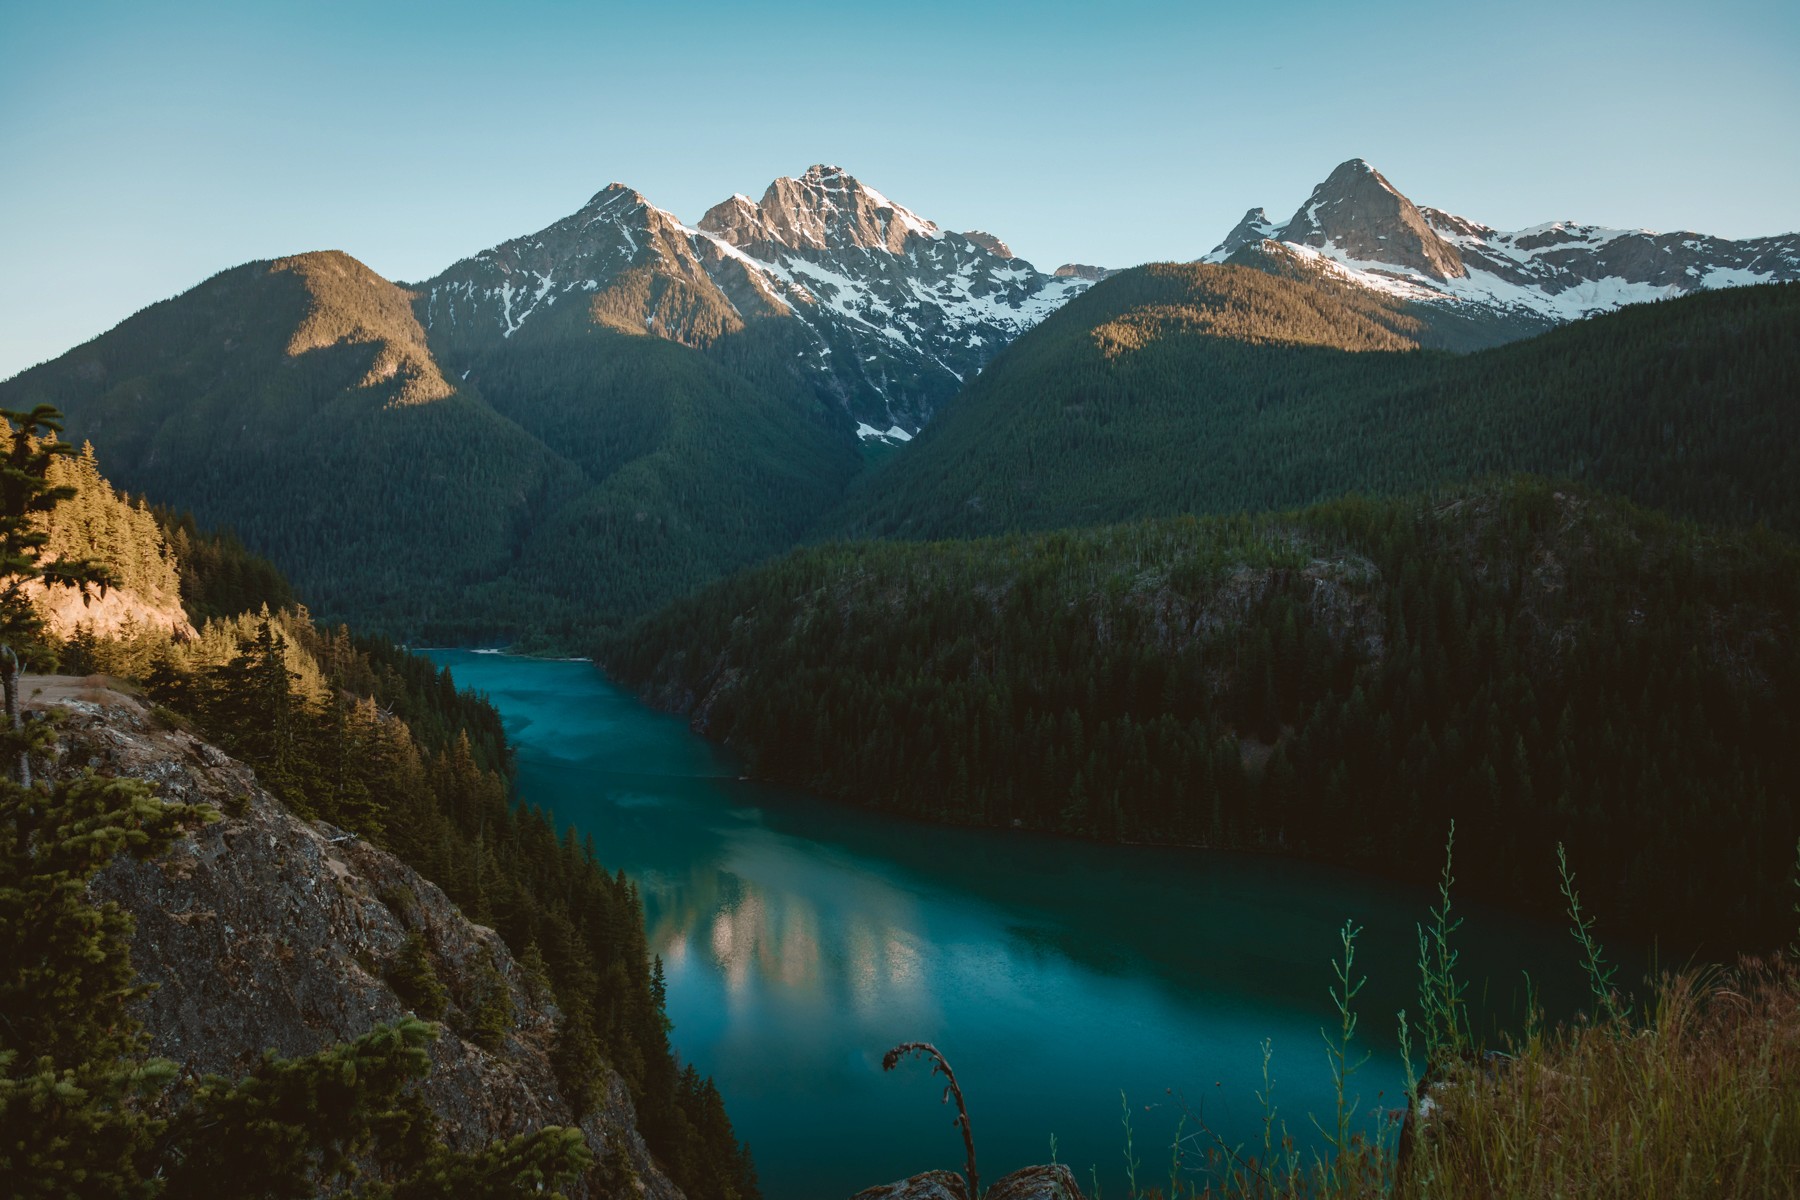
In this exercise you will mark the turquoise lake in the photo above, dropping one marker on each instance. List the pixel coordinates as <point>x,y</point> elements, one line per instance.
<point>802,938</point>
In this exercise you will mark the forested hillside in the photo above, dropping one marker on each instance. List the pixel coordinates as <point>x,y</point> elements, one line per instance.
<point>1214,389</point>
<point>572,482</point>
<point>377,741</point>
<point>1539,662</point>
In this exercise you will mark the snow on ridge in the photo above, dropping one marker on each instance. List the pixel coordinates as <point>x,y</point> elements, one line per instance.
<point>884,304</point>
<point>910,219</point>
<point>940,303</point>
<point>1583,298</point>
<point>1537,269</point>
<point>1560,270</point>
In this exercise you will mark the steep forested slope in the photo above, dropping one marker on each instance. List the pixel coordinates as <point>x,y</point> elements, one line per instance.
<point>1198,388</point>
<point>298,403</point>
<point>688,471</point>
<point>1539,663</point>
<point>360,733</point>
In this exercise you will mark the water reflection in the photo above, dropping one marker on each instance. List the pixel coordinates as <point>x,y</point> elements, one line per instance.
<point>801,939</point>
<point>861,947</point>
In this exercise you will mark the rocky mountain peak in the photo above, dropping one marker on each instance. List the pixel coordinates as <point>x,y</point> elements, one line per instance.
<point>1358,214</point>
<point>825,209</point>
<point>1357,226</point>
<point>1085,271</point>
<point>619,203</point>
<point>990,243</point>
<point>738,221</point>
<point>1254,227</point>
<point>889,313</point>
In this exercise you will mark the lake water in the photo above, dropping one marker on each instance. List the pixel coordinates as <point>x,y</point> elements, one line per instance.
<point>803,938</point>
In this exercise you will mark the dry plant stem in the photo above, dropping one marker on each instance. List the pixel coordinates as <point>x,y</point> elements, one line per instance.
<point>941,1067</point>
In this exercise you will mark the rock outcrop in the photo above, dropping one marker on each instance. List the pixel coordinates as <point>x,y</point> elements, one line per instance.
<point>1357,211</point>
<point>115,614</point>
<point>1085,271</point>
<point>264,932</point>
<point>1033,1183</point>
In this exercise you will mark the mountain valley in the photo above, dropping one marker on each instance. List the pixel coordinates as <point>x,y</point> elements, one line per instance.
<point>1367,530</point>
<point>569,429</point>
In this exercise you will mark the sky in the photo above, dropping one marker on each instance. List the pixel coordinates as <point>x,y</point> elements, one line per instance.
<point>145,146</point>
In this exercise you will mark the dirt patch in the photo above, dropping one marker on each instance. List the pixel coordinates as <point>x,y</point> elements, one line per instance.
<point>49,691</point>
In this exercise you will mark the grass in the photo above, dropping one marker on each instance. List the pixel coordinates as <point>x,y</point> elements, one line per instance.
<point>1700,1100</point>
<point>1691,1094</point>
<point>1694,1093</point>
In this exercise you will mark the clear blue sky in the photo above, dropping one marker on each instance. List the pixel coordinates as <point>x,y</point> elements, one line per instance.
<point>144,146</point>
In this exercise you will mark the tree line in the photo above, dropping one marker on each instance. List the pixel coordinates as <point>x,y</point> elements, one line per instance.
<point>357,732</point>
<point>1540,662</point>
<point>1218,389</point>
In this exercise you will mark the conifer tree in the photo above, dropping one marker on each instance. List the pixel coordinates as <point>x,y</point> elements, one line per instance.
<point>25,493</point>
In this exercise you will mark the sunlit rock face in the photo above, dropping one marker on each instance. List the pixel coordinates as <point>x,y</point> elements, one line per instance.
<point>855,298</point>
<point>1357,225</point>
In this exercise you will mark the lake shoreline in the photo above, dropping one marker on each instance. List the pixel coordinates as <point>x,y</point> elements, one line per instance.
<point>802,937</point>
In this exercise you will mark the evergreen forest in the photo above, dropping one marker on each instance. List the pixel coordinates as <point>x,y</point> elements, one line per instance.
<point>1189,388</point>
<point>1539,662</point>
<point>372,739</point>
<point>570,481</point>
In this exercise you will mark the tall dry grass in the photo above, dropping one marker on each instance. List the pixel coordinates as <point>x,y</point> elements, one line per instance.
<point>1702,1100</point>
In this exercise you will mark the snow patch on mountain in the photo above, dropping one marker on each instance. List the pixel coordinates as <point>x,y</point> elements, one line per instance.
<point>897,311</point>
<point>1360,228</point>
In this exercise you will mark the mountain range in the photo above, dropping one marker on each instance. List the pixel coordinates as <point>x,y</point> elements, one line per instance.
<point>1358,226</point>
<point>841,291</point>
<point>577,425</point>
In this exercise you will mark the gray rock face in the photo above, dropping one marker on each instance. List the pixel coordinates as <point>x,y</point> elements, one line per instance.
<point>1037,1183</point>
<point>990,243</point>
<point>932,1185</point>
<point>264,932</point>
<point>891,313</point>
<point>1032,1183</point>
<point>1085,271</point>
<point>1360,213</point>
<point>1357,225</point>
<point>1255,227</point>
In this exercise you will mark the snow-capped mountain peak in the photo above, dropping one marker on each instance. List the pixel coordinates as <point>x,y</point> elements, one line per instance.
<point>1358,225</point>
<point>903,309</point>
<point>1255,227</point>
<point>1357,214</point>
<point>885,313</point>
<point>826,208</point>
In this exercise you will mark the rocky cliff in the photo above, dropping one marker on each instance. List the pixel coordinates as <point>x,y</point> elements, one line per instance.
<point>112,614</point>
<point>264,932</point>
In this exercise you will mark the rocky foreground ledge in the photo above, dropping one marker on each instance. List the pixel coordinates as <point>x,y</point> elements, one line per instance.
<point>265,932</point>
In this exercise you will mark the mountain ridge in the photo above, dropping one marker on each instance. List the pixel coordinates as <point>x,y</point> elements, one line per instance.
<point>1213,388</point>
<point>1360,226</point>
<point>604,413</point>
<point>885,314</point>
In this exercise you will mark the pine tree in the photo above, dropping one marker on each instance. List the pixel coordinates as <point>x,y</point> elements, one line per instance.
<point>26,493</point>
